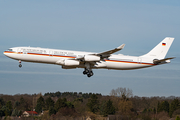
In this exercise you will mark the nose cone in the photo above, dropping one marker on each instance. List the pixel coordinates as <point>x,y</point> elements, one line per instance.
<point>7,53</point>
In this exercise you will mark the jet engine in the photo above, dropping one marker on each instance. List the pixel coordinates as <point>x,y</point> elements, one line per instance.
<point>68,62</point>
<point>90,58</point>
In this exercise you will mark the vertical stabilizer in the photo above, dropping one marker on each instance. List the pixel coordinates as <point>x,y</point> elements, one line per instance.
<point>160,51</point>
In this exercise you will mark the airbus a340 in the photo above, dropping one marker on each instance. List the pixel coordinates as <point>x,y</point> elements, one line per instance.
<point>88,60</point>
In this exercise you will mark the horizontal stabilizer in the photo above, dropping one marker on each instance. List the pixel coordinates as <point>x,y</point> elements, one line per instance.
<point>156,61</point>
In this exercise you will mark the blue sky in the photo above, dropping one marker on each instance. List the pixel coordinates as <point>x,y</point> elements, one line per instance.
<point>94,26</point>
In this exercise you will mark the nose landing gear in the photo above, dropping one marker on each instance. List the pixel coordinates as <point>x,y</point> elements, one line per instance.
<point>20,64</point>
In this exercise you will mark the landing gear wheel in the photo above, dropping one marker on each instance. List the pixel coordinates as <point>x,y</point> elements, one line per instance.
<point>20,65</point>
<point>91,73</point>
<point>88,75</point>
<point>85,71</point>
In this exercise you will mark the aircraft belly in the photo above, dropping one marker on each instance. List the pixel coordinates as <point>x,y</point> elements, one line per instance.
<point>40,59</point>
<point>14,56</point>
<point>124,66</point>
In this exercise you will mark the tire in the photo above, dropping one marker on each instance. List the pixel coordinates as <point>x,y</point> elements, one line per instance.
<point>88,75</point>
<point>91,73</point>
<point>84,72</point>
<point>20,65</point>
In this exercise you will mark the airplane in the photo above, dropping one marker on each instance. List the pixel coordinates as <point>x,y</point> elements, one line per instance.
<point>89,60</point>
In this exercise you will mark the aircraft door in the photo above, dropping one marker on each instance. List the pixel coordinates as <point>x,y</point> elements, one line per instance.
<point>139,60</point>
<point>51,53</point>
<point>24,51</point>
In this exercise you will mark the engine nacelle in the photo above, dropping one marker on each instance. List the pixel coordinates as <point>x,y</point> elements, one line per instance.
<point>71,62</point>
<point>90,58</point>
<point>68,62</point>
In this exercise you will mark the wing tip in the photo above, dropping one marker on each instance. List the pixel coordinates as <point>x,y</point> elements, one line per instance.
<point>121,46</point>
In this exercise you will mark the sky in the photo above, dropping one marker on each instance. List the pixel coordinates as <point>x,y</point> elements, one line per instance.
<point>93,26</point>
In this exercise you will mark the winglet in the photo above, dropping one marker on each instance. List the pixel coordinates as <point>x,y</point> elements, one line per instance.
<point>121,47</point>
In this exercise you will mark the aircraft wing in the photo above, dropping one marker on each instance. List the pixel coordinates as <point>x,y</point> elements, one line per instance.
<point>98,56</point>
<point>107,53</point>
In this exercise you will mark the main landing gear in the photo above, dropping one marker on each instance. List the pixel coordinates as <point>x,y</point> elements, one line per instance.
<point>20,64</point>
<point>87,71</point>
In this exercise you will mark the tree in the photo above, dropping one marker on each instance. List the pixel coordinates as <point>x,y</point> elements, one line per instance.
<point>9,105</point>
<point>60,104</point>
<point>23,104</point>
<point>154,110</point>
<point>124,106</point>
<point>52,110</point>
<point>2,103</point>
<point>93,103</point>
<point>41,101</point>
<point>75,94</point>
<point>2,113</point>
<point>110,108</point>
<point>16,104</point>
<point>173,106</point>
<point>22,101</point>
<point>38,108</point>
<point>6,111</point>
<point>121,92</point>
<point>58,94</point>
<point>79,106</point>
<point>69,104</point>
<point>49,103</point>
<point>40,104</point>
<point>79,99</point>
<point>177,118</point>
<point>16,112</point>
<point>163,106</point>
<point>107,108</point>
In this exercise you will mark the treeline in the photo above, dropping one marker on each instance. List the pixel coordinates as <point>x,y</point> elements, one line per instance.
<point>121,104</point>
<point>72,94</point>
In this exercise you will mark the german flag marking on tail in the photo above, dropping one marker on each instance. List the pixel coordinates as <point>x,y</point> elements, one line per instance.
<point>163,44</point>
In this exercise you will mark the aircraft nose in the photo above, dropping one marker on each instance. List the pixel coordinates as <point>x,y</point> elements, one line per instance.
<point>6,54</point>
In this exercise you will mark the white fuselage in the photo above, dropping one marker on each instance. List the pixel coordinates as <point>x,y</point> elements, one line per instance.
<point>89,60</point>
<point>52,56</point>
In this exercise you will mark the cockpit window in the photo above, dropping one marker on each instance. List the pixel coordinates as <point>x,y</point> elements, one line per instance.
<point>9,49</point>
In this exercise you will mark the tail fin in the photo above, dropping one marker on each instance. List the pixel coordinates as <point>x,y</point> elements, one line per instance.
<point>160,51</point>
